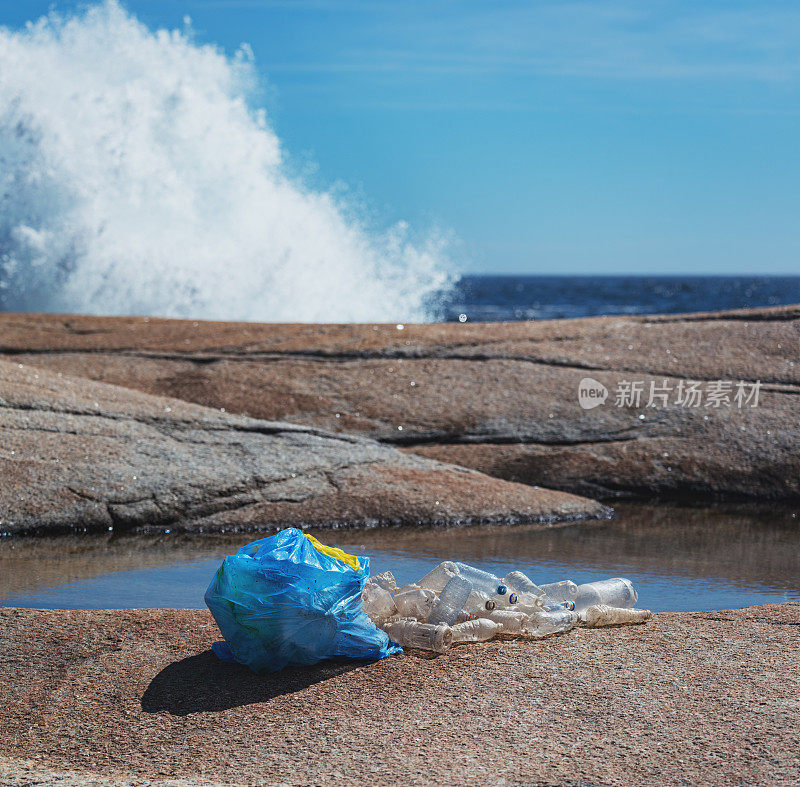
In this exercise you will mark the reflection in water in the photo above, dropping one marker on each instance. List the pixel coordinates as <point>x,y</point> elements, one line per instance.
<point>679,558</point>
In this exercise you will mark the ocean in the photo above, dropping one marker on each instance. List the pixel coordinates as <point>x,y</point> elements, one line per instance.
<point>509,298</point>
<point>111,215</point>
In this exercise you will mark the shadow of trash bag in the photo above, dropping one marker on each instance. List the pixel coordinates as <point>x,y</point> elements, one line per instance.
<point>287,599</point>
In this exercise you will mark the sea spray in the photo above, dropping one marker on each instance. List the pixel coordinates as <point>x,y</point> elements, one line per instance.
<point>136,179</point>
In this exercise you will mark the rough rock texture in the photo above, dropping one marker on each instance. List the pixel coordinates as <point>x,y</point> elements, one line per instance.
<point>499,397</point>
<point>706,698</point>
<point>77,454</point>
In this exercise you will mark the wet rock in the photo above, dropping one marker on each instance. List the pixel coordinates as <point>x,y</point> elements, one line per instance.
<point>499,397</point>
<point>76,454</point>
<point>132,695</point>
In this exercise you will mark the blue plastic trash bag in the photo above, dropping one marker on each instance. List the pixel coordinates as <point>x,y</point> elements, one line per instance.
<point>287,599</point>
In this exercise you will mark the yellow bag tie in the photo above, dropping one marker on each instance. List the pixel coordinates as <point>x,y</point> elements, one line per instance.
<point>335,552</point>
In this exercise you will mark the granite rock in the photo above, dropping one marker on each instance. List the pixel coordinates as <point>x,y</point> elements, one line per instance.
<point>497,397</point>
<point>136,697</point>
<point>76,454</point>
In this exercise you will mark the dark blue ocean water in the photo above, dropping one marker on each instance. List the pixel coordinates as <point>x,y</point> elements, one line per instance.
<point>497,298</point>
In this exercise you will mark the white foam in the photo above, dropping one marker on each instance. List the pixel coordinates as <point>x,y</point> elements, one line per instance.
<point>135,179</point>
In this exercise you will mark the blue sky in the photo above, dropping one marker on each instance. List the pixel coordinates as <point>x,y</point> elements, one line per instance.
<point>548,137</point>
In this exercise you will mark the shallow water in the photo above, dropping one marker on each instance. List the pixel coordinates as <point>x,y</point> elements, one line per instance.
<point>680,559</point>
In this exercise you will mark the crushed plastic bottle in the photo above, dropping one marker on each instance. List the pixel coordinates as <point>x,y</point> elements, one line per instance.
<point>425,636</point>
<point>439,576</point>
<point>482,581</point>
<point>603,615</point>
<point>475,630</point>
<point>455,602</point>
<point>616,592</point>
<point>478,604</point>
<point>565,590</point>
<point>409,586</point>
<point>415,603</point>
<point>523,587</point>
<point>385,580</point>
<point>542,624</point>
<point>377,602</point>
<point>451,601</point>
<point>555,606</point>
<point>511,622</point>
<point>525,604</point>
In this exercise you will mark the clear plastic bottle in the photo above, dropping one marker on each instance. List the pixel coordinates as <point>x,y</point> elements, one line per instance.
<point>451,601</point>
<point>542,624</point>
<point>377,602</point>
<point>425,636</point>
<point>525,604</point>
<point>439,576</point>
<point>616,592</point>
<point>475,630</point>
<point>511,622</point>
<point>415,603</point>
<point>409,586</point>
<point>565,590</point>
<point>479,604</point>
<point>482,581</point>
<point>522,585</point>
<point>556,606</point>
<point>603,615</point>
<point>385,580</point>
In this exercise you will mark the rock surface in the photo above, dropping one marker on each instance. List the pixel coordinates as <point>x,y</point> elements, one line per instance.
<point>498,397</point>
<point>136,697</point>
<point>76,454</point>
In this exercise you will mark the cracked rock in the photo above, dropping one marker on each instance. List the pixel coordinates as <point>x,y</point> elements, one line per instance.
<point>498,397</point>
<point>76,454</point>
